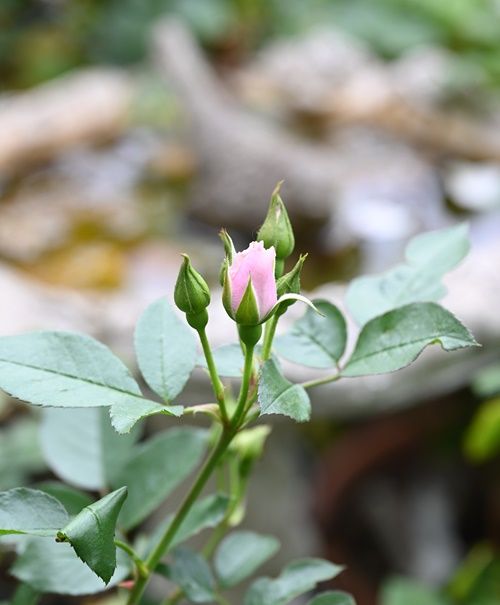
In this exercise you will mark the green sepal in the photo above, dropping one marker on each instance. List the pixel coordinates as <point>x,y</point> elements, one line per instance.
<point>290,282</point>
<point>226,289</point>
<point>191,293</point>
<point>277,230</point>
<point>247,313</point>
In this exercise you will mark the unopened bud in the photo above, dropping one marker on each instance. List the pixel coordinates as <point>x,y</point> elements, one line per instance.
<point>191,294</point>
<point>277,230</point>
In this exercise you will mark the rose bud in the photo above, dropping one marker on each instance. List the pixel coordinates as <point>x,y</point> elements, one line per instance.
<point>249,284</point>
<point>192,295</point>
<point>276,231</point>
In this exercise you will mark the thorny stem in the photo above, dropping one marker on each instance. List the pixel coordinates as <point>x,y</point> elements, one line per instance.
<point>228,433</point>
<point>214,376</point>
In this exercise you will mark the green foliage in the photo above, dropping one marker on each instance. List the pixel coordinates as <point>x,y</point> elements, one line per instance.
<point>240,554</point>
<point>317,341</point>
<point>486,383</point>
<point>64,369</point>
<point>393,340</point>
<point>297,578</point>
<point>401,591</point>
<point>72,499</point>
<point>206,513</point>
<point>82,448</point>
<point>20,454</point>
<point>156,468</point>
<point>29,511</point>
<point>61,571</point>
<point>277,395</point>
<point>191,572</point>
<point>428,257</point>
<point>333,598</point>
<point>228,360</point>
<point>482,439</point>
<point>92,532</point>
<point>165,348</point>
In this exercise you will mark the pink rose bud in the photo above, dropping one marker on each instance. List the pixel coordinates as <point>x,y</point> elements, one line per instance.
<point>250,285</point>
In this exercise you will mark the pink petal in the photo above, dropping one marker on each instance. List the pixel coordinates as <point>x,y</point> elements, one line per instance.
<point>255,263</point>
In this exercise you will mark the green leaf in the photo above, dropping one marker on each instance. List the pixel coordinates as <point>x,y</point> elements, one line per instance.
<point>487,381</point>
<point>297,578</point>
<point>401,591</point>
<point>82,448</point>
<point>64,369</point>
<point>159,465</point>
<point>191,572</point>
<point>335,597</point>
<point>125,416</point>
<point>395,339</point>
<point>25,595</point>
<point>482,439</point>
<point>314,340</point>
<point>277,395</point>
<point>228,360</point>
<point>165,348</point>
<point>429,256</point>
<point>207,512</point>
<point>72,499</point>
<point>92,533</point>
<point>29,511</point>
<point>50,567</point>
<point>19,442</point>
<point>240,554</point>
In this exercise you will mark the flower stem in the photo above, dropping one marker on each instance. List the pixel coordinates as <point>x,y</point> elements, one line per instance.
<point>214,376</point>
<point>269,333</point>
<point>319,381</point>
<point>166,541</point>
<point>245,386</point>
<point>139,563</point>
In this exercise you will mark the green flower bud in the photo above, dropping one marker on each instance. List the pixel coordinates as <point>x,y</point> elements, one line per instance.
<point>277,230</point>
<point>191,294</point>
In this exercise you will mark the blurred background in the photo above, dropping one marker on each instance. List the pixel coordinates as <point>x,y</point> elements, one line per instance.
<point>131,130</point>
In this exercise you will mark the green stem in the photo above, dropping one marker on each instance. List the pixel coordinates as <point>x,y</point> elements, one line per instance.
<point>139,563</point>
<point>163,545</point>
<point>320,381</point>
<point>269,333</point>
<point>214,376</point>
<point>245,385</point>
<point>25,595</point>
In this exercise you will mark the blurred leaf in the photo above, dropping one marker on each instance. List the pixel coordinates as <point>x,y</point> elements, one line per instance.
<point>468,575</point>
<point>25,595</point>
<point>401,591</point>
<point>277,395</point>
<point>487,381</point>
<point>333,598</point>
<point>191,572</point>
<point>62,572</point>
<point>92,532</point>
<point>20,453</point>
<point>156,469</point>
<point>428,257</point>
<point>297,578</point>
<point>393,340</point>
<point>166,349</point>
<point>482,439</point>
<point>206,513</point>
<point>228,360</point>
<point>72,499</point>
<point>29,511</point>
<point>313,340</point>
<point>64,369</point>
<point>82,448</point>
<point>483,587</point>
<point>240,554</point>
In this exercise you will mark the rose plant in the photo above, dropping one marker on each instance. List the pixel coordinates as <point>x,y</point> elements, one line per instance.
<point>69,541</point>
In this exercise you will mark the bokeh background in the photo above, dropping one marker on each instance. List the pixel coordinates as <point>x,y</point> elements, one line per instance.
<point>131,130</point>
